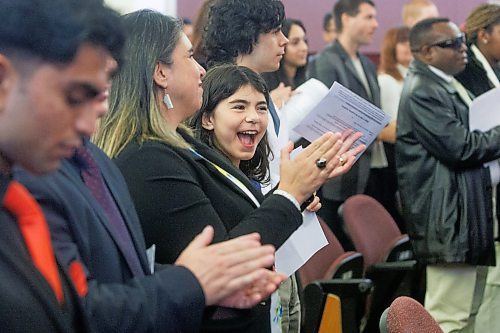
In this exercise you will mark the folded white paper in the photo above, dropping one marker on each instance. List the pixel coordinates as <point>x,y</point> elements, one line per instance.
<point>306,97</point>
<point>342,109</point>
<point>484,114</point>
<point>303,243</point>
<point>301,246</point>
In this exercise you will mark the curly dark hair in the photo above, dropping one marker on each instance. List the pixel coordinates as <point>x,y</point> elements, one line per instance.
<point>234,27</point>
<point>273,79</point>
<point>222,82</point>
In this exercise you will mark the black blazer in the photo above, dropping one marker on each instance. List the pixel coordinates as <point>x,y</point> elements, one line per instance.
<point>169,301</point>
<point>474,76</point>
<point>334,64</point>
<point>27,303</point>
<point>178,193</point>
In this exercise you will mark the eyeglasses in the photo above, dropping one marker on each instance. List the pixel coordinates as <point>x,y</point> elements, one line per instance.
<point>455,43</point>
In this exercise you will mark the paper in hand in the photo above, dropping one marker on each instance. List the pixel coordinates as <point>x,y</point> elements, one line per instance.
<point>342,109</point>
<point>306,97</point>
<point>484,114</point>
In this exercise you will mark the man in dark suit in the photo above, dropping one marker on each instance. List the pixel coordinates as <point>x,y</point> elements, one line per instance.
<point>341,61</point>
<point>101,230</point>
<point>51,66</point>
<point>446,192</point>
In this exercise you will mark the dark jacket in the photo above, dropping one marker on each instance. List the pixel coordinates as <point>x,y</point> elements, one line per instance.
<point>171,300</point>
<point>27,301</point>
<point>445,191</point>
<point>178,193</point>
<point>273,79</point>
<point>474,76</point>
<point>334,64</point>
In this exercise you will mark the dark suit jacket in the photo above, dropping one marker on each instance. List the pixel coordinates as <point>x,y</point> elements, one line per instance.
<point>474,76</point>
<point>334,64</point>
<point>177,194</point>
<point>169,301</point>
<point>27,303</point>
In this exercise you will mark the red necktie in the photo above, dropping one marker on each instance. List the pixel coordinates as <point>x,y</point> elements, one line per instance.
<point>19,202</point>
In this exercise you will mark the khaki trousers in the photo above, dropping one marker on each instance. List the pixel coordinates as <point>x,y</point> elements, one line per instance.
<point>454,294</point>
<point>488,317</point>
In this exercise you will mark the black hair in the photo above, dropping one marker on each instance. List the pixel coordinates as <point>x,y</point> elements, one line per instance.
<point>105,29</point>
<point>326,20</point>
<point>421,33</point>
<point>53,30</point>
<point>349,7</point>
<point>222,82</point>
<point>234,27</point>
<point>273,79</point>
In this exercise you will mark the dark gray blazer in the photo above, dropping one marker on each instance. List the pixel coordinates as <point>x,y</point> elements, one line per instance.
<point>334,64</point>
<point>169,301</point>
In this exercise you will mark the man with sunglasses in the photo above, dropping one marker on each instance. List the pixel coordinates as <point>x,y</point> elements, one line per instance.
<point>445,191</point>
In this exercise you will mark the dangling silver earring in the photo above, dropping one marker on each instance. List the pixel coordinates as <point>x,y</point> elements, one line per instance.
<point>168,101</point>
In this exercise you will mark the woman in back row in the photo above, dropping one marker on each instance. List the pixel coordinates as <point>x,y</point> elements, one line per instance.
<point>395,58</point>
<point>292,71</point>
<point>482,74</point>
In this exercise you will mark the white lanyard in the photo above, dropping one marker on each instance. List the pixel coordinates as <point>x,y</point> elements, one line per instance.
<point>486,65</point>
<point>233,179</point>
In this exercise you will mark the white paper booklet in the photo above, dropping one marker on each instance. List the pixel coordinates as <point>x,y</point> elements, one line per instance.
<point>306,97</point>
<point>484,114</point>
<point>342,109</point>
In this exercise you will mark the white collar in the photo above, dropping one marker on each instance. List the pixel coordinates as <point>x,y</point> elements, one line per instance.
<point>486,65</point>
<point>441,74</point>
<point>402,70</point>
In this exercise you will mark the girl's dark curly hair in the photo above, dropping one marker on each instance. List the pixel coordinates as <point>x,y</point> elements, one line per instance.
<point>220,83</point>
<point>234,27</point>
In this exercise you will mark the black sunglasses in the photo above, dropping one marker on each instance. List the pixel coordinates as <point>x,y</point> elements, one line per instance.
<point>455,43</point>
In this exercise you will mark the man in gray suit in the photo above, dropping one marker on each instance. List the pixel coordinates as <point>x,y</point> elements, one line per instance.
<point>341,61</point>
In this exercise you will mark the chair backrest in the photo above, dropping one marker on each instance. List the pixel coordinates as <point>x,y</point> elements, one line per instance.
<point>373,230</point>
<point>331,261</point>
<point>406,315</point>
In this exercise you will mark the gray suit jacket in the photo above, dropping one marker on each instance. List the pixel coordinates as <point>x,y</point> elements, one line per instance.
<point>171,300</point>
<point>334,64</point>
